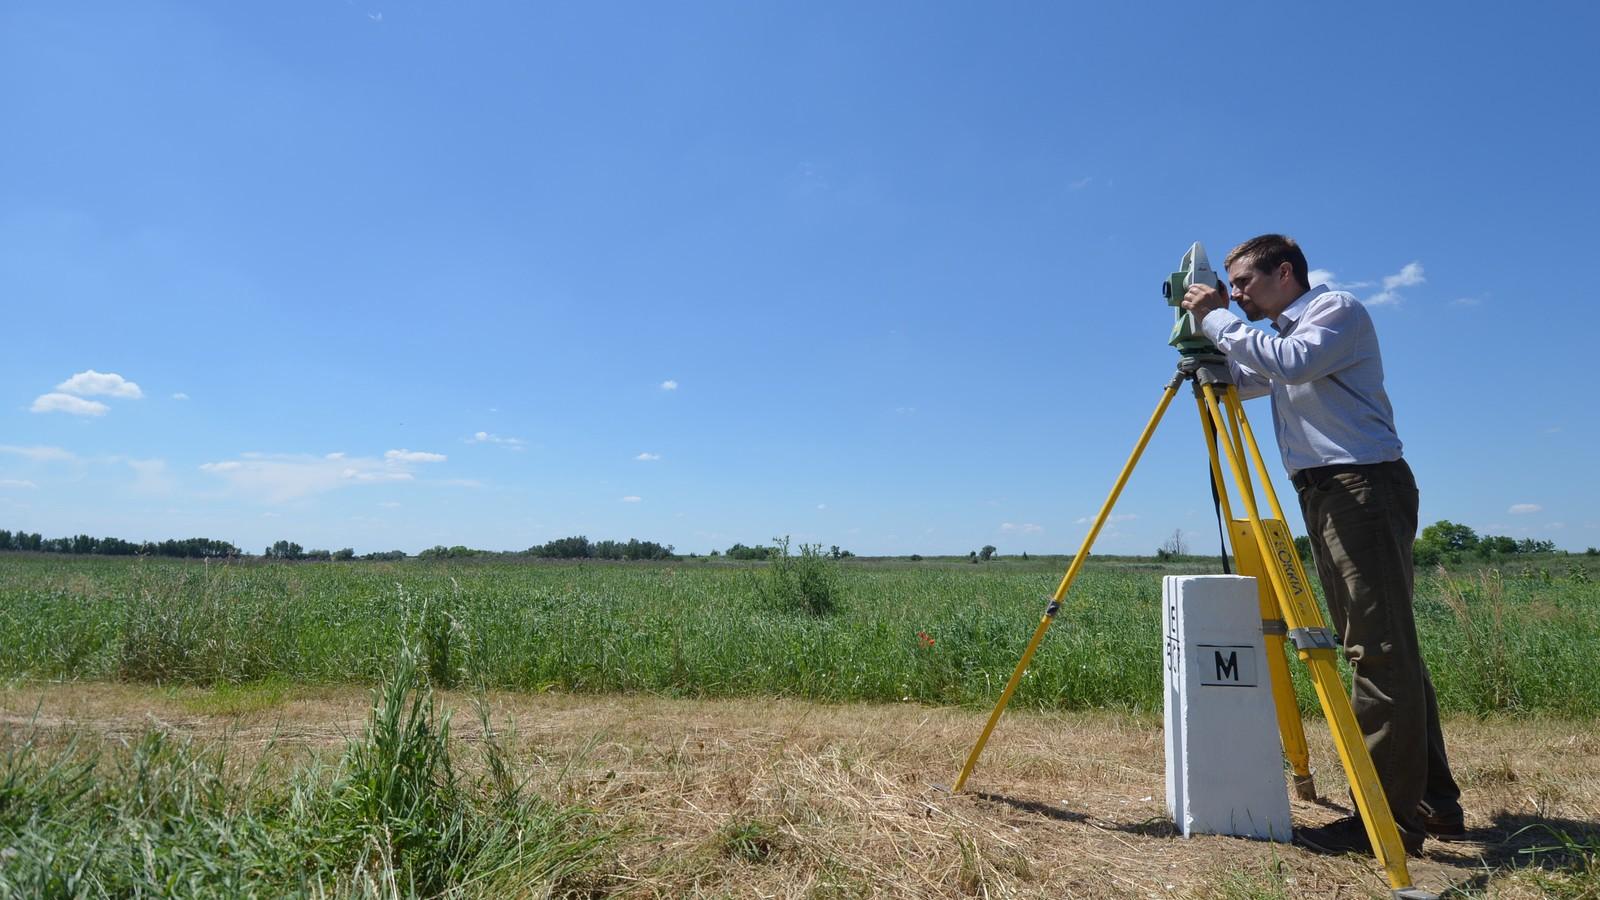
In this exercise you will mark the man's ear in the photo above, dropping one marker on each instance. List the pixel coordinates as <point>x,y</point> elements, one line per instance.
<point>1286,271</point>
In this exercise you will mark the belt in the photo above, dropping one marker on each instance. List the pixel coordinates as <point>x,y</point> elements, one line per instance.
<point>1316,475</point>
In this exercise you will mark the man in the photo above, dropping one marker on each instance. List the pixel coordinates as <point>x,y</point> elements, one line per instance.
<point>1336,431</point>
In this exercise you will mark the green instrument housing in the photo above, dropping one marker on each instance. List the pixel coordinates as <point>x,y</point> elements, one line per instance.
<point>1186,335</point>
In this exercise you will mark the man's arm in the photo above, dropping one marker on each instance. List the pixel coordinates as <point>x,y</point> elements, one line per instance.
<point>1251,384</point>
<point>1325,341</point>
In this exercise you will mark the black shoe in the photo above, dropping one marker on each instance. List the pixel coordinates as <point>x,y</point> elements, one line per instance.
<point>1348,835</point>
<point>1445,827</point>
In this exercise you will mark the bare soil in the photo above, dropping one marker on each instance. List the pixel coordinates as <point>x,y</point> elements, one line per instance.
<point>775,798</point>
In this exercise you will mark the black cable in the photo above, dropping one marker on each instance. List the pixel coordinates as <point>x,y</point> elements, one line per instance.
<point>1222,535</point>
<point>1216,496</point>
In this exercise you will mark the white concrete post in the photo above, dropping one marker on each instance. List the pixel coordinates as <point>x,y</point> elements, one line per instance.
<point>1224,754</point>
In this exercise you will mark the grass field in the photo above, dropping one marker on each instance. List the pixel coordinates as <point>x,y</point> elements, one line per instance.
<point>180,728</point>
<point>932,632</point>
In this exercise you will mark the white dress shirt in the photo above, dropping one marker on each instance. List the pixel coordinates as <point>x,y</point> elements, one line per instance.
<point>1325,376</point>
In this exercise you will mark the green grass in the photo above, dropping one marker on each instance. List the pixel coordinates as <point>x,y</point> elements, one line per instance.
<point>396,817</point>
<point>936,631</point>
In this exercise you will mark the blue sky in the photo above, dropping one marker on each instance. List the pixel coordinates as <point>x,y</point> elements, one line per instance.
<point>386,275</point>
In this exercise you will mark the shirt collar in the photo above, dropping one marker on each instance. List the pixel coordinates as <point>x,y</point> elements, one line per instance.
<point>1292,313</point>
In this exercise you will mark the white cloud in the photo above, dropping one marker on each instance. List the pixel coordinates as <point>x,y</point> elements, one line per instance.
<point>101,384</point>
<point>150,476</point>
<point>355,474</point>
<point>17,483</point>
<point>281,478</point>
<point>1020,528</point>
<point>669,385</point>
<point>1522,509</point>
<point>648,457</point>
<point>484,437</point>
<point>822,506</point>
<point>180,396</point>
<point>66,403</point>
<point>631,499</point>
<point>39,454</point>
<point>1323,276</point>
<point>1081,183</point>
<point>1409,275</point>
<point>413,456</point>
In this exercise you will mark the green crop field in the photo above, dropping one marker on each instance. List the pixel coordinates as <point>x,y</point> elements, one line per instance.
<point>939,632</point>
<point>89,808</point>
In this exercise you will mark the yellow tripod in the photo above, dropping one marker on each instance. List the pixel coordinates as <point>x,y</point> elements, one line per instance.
<point>1264,549</point>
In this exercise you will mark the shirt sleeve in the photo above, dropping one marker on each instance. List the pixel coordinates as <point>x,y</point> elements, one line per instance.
<point>1251,384</point>
<point>1324,341</point>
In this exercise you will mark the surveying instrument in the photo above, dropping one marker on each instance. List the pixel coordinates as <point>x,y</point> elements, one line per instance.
<point>1263,549</point>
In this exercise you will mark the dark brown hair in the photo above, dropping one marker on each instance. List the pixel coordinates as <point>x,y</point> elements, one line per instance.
<point>1269,251</point>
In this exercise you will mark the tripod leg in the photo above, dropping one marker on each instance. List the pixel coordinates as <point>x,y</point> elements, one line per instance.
<point>1291,729</point>
<point>1066,582</point>
<point>1315,645</point>
<point>1237,406</point>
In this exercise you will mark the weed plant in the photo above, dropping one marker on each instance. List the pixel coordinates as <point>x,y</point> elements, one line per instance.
<point>804,583</point>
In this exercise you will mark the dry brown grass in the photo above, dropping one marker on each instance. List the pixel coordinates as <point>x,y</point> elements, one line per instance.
<point>761,798</point>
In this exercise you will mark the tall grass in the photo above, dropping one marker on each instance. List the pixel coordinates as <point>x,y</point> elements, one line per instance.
<point>396,817</point>
<point>891,631</point>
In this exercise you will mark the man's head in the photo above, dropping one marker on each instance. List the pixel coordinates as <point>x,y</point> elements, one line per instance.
<point>1267,274</point>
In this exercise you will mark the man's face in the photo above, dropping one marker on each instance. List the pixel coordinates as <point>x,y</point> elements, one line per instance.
<point>1262,294</point>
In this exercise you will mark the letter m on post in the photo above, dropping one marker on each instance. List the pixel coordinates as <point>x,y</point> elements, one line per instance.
<point>1227,667</point>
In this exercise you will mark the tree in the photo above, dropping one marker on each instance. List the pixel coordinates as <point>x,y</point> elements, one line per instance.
<point>285,550</point>
<point>1443,540</point>
<point>440,551</point>
<point>1447,535</point>
<point>1175,545</point>
<point>987,553</point>
<point>1302,546</point>
<point>577,547</point>
<point>1492,544</point>
<point>344,554</point>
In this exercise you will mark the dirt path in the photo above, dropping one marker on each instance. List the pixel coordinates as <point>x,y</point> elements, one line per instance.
<point>757,798</point>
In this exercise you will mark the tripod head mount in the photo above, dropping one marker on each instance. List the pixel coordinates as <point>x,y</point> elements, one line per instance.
<point>1186,335</point>
<point>1203,369</point>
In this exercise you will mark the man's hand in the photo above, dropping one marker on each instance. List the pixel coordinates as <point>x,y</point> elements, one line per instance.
<point>1201,299</point>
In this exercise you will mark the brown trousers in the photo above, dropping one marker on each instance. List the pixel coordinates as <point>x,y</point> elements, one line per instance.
<point>1362,524</point>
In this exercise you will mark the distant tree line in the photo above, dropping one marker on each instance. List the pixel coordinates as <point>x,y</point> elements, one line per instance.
<point>761,551</point>
<point>291,551</point>
<point>1447,541</point>
<point>440,551</point>
<point>193,548</point>
<point>580,547</point>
